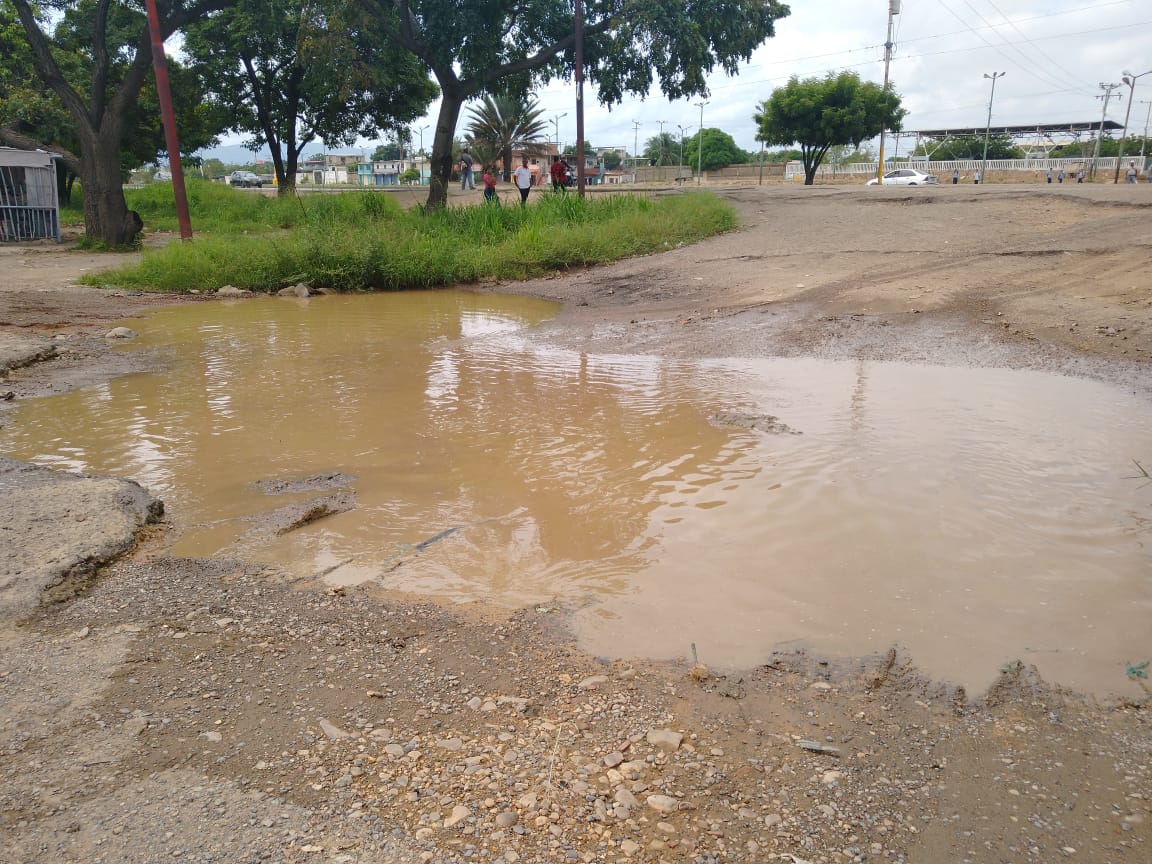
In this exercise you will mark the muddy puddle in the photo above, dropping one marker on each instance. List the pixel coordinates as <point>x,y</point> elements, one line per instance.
<point>435,443</point>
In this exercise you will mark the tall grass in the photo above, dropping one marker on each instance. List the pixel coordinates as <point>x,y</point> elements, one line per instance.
<point>364,241</point>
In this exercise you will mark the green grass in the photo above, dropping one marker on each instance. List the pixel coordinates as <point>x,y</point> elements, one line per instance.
<point>359,241</point>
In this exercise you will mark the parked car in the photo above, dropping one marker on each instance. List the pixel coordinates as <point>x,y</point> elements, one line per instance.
<point>245,179</point>
<point>906,177</point>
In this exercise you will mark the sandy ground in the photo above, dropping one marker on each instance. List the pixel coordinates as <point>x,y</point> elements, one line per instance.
<point>208,711</point>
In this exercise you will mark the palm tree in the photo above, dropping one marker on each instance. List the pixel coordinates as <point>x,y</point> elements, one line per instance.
<point>505,122</point>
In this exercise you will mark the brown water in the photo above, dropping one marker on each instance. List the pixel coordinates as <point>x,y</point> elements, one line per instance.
<point>973,516</point>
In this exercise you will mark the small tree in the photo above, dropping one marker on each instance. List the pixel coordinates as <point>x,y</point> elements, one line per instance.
<point>412,175</point>
<point>506,122</point>
<point>662,149</point>
<point>819,113</point>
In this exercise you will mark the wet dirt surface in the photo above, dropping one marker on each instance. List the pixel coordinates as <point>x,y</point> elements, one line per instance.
<point>975,512</point>
<point>197,733</point>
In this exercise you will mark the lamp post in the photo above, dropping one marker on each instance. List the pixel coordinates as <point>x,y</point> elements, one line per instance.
<point>700,146</point>
<point>680,167</point>
<point>988,127</point>
<point>556,125</point>
<point>1130,80</point>
<point>1147,118</point>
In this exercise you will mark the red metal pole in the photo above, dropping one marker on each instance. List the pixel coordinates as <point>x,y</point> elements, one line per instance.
<point>169,117</point>
<point>580,97</point>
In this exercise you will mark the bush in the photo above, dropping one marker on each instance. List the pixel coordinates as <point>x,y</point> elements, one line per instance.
<point>360,241</point>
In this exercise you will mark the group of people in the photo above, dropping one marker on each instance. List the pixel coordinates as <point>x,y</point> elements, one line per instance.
<point>522,177</point>
<point>1060,175</point>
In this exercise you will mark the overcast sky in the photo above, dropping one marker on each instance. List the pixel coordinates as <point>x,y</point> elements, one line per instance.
<point>1055,54</point>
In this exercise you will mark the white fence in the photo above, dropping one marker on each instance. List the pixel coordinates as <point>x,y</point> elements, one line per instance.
<point>1070,166</point>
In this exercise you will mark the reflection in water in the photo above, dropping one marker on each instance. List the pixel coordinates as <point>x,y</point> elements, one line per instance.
<point>975,516</point>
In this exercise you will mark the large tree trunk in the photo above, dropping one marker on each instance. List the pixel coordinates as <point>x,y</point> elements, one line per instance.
<point>107,219</point>
<point>441,169</point>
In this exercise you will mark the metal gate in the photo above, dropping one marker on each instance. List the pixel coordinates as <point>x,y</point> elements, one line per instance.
<point>29,208</point>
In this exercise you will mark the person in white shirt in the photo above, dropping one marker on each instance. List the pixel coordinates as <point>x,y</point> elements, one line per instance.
<point>522,176</point>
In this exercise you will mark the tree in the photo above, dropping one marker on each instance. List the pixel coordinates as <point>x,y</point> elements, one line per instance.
<point>612,159</point>
<point>971,147</point>
<point>507,122</point>
<point>818,113</point>
<point>719,150</point>
<point>570,149</point>
<point>96,62</point>
<point>297,72</point>
<point>387,152</point>
<point>662,149</point>
<point>484,46</point>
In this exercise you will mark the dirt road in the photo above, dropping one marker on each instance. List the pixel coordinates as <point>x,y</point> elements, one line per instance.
<point>207,711</point>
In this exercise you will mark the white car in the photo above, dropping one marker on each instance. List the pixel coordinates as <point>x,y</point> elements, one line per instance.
<point>906,177</point>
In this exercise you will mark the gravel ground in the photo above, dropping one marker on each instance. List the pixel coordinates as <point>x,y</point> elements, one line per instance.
<point>211,711</point>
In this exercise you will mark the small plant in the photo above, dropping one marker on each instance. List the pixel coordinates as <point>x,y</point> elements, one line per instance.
<point>1139,673</point>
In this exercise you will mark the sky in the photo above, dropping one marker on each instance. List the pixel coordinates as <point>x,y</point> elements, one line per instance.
<point>1054,55</point>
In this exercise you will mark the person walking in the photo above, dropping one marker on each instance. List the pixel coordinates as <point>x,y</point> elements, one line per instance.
<point>1060,176</point>
<point>976,176</point>
<point>1131,173</point>
<point>559,174</point>
<point>1049,175</point>
<point>523,179</point>
<point>1080,176</point>
<point>466,180</point>
<point>955,176</point>
<point>489,180</point>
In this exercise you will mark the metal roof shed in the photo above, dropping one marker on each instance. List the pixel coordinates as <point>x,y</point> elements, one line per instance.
<point>29,206</point>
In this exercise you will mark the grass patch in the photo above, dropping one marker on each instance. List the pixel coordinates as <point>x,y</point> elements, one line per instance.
<point>363,241</point>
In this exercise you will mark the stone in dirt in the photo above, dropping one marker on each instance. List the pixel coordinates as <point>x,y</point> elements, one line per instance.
<point>667,740</point>
<point>57,529</point>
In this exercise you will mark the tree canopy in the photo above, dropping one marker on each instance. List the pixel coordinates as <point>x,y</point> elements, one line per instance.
<point>505,122</point>
<point>482,46</point>
<point>297,72</point>
<point>713,149</point>
<point>818,113</point>
<point>971,147</point>
<point>94,98</point>
<point>662,149</point>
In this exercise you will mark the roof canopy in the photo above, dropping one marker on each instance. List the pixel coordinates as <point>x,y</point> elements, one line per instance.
<point>1072,129</point>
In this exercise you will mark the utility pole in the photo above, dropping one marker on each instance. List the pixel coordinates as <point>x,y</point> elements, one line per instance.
<point>700,147</point>
<point>1147,118</point>
<point>1107,97</point>
<point>168,119</point>
<point>893,10</point>
<point>579,10</point>
<point>660,158</point>
<point>1130,80</point>
<point>988,127</point>
<point>635,150</point>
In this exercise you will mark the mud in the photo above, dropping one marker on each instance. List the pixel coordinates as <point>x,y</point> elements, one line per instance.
<point>208,711</point>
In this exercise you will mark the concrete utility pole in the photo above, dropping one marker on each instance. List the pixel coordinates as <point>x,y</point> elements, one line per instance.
<point>635,151</point>
<point>683,131</point>
<point>556,125</point>
<point>1130,80</point>
<point>1147,118</point>
<point>988,127</point>
<point>893,10</point>
<point>1107,97</point>
<point>700,147</point>
<point>660,149</point>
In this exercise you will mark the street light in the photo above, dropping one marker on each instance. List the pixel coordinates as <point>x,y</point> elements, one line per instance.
<point>700,146</point>
<point>988,127</point>
<point>556,125</point>
<point>680,167</point>
<point>1147,118</point>
<point>1130,80</point>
